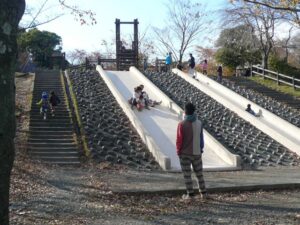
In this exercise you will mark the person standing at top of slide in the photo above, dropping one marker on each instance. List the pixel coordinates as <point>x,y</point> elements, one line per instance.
<point>204,67</point>
<point>169,61</point>
<point>192,66</point>
<point>220,73</point>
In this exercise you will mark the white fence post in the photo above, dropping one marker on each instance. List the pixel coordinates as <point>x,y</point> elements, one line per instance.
<point>293,81</point>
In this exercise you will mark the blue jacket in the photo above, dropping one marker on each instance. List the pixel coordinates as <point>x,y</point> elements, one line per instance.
<point>168,60</point>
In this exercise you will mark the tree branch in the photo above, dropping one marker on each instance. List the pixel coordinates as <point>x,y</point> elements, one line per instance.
<point>273,7</point>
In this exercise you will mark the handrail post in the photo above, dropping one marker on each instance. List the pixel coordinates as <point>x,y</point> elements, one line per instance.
<point>277,78</point>
<point>293,80</point>
<point>251,71</point>
<point>86,63</point>
<point>263,72</point>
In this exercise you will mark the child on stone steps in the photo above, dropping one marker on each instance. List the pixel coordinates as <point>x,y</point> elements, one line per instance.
<point>54,101</point>
<point>44,104</point>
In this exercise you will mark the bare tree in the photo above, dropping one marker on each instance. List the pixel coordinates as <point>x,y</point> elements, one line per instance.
<point>294,49</point>
<point>262,20</point>
<point>11,12</point>
<point>186,20</point>
<point>109,48</point>
<point>77,56</point>
<point>85,17</point>
<point>145,43</point>
<point>284,5</point>
<point>206,53</point>
<point>284,44</point>
<point>36,16</point>
<point>289,8</point>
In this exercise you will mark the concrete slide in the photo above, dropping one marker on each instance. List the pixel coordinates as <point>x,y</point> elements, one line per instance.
<point>157,126</point>
<point>279,129</point>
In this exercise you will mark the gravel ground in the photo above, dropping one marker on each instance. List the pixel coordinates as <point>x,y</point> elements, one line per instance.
<point>42,194</point>
<point>82,197</point>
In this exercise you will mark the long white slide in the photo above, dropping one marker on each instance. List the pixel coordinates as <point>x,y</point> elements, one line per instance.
<point>280,130</point>
<point>157,126</point>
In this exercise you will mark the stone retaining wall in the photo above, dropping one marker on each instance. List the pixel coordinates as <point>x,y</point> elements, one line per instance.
<point>109,132</point>
<point>239,136</point>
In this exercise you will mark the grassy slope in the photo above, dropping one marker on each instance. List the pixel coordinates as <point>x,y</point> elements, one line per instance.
<point>273,85</point>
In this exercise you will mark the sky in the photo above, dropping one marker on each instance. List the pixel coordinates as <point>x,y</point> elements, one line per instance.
<point>74,36</point>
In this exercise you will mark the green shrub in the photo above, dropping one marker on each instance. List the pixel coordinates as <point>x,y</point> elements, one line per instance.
<point>280,65</point>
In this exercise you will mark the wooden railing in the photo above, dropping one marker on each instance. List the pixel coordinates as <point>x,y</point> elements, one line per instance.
<point>276,76</point>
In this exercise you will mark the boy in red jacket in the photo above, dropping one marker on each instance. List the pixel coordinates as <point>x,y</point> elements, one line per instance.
<point>189,144</point>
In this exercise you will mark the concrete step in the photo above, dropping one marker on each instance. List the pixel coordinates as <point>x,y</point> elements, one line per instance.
<point>37,96</point>
<point>54,119</point>
<point>47,128</point>
<point>51,136</point>
<point>51,145</point>
<point>38,92</point>
<point>51,140</point>
<point>47,89</point>
<point>49,116</point>
<point>57,111</point>
<point>49,86</point>
<point>51,132</point>
<point>51,123</point>
<point>51,149</point>
<point>48,81</point>
<point>59,159</point>
<point>57,114</point>
<point>36,100</point>
<point>59,108</point>
<point>51,154</point>
<point>40,82</point>
<point>38,117</point>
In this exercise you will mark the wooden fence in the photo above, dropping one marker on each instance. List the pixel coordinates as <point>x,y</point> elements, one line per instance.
<point>276,76</point>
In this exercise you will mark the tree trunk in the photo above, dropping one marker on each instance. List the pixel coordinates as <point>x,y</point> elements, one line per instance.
<point>180,58</point>
<point>265,59</point>
<point>11,12</point>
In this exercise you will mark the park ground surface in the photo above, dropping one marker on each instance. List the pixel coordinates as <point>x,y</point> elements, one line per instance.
<point>45,194</point>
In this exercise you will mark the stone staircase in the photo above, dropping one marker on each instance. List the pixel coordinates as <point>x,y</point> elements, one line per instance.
<point>52,140</point>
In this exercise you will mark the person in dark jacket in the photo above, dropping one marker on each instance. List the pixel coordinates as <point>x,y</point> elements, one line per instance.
<point>220,73</point>
<point>251,111</point>
<point>189,145</point>
<point>192,66</point>
<point>54,101</point>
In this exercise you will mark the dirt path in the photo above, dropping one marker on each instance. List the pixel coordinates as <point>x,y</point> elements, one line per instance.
<point>42,194</point>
